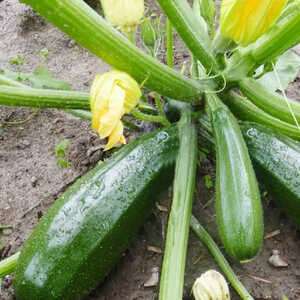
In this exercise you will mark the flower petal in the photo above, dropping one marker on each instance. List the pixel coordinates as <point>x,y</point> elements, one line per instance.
<point>115,136</point>
<point>245,21</point>
<point>115,111</point>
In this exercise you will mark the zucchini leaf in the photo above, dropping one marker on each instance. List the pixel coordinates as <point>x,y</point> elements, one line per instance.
<point>287,67</point>
<point>38,79</point>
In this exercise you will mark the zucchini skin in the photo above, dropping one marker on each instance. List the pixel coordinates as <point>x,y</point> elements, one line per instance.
<point>85,232</point>
<point>238,206</point>
<point>277,162</point>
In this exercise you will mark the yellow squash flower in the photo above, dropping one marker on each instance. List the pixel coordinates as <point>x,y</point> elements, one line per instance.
<point>245,21</point>
<point>112,95</point>
<point>211,285</point>
<point>124,14</point>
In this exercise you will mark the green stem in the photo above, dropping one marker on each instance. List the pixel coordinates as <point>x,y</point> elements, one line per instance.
<point>281,37</point>
<point>246,110</point>
<point>83,114</point>
<point>220,259</point>
<point>90,30</point>
<point>170,62</point>
<point>131,36</point>
<point>272,103</point>
<point>160,108</point>
<point>76,112</point>
<point>7,266</point>
<point>2,227</point>
<point>221,44</point>
<point>19,96</point>
<point>184,20</point>
<point>194,68</point>
<point>172,276</point>
<point>7,81</point>
<point>150,118</point>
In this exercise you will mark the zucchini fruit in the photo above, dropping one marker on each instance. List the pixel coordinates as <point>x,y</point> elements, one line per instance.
<point>85,232</point>
<point>238,206</point>
<point>277,161</point>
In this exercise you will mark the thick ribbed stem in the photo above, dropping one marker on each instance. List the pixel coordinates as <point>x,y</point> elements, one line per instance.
<point>90,30</point>
<point>172,276</point>
<point>184,20</point>
<point>272,103</point>
<point>246,110</point>
<point>20,96</point>
<point>281,37</point>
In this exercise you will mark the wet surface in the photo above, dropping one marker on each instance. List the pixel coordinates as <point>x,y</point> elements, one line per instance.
<point>31,180</point>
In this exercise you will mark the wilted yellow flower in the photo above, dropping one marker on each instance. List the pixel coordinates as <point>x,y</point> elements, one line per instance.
<point>245,21</point>
<point>124,14</point>
<point>211,285</point>
<point>111,96</point>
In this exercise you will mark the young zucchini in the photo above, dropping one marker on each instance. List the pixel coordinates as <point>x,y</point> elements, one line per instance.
<point>85,232</point>
<point>238,205</point>
<point>277,161</point>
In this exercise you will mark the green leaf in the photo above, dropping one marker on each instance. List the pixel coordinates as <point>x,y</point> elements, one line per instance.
<point>208,181</point>
<point>19,60</point>
<point>287,68</point>
<point>197,13</point>
<point>39,79</point>
<point>63,163</point>
<point>148,34</point>
<point>61,148</point>
<point>45,52</point>
<point>42,79</point>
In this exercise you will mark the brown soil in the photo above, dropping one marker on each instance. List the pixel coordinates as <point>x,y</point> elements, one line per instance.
<point>31,180</point>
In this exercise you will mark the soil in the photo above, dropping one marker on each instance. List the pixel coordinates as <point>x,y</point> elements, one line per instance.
<point>31,180</point>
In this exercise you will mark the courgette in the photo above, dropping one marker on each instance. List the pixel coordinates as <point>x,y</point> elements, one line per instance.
<point>277,162</point>
<point>238,205</point>
<point>85,232</point>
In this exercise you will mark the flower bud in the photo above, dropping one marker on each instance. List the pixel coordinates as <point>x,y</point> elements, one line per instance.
<point>124,14</point>
<point>245,21</point>
<point>211,285</point>
<point>148,34</point>
<point>111,96</point>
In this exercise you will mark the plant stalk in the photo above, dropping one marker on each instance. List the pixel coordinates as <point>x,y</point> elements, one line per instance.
<point>184,20</point>
<point>272,103</point>
<point>89,29</point>
<point>26,96</point>
<point>246,110</point>
<point>7,81</point>
<point>172,276</point>
<point>219,258</point>
<point>8,265</point>
<point>150,118</point>
<point>281,37</point>
<point>170,62</point>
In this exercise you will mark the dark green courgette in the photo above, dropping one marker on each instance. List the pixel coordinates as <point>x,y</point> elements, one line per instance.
<point>238,205</point>
<point>277,162</point>
<point>85,232</point>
